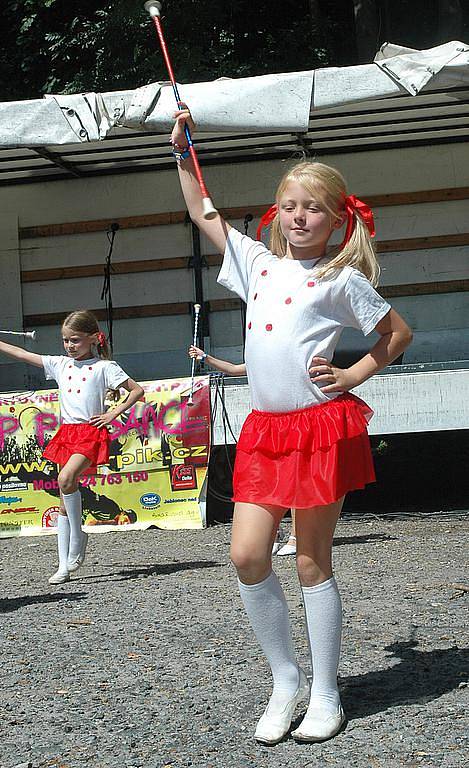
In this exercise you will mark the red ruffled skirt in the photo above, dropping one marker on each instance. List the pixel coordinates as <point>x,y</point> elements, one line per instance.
<point>305,458</point>
<point>89,441</point>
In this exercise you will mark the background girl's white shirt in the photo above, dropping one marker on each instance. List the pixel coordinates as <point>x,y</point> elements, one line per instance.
<point>291,318</point>
<point>82,385</point>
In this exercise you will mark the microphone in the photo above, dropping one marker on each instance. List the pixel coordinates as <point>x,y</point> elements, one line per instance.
<point>247,219</point>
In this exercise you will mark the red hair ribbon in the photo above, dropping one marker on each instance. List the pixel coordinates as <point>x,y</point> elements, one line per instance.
<point>101,339</point>
<point>353,207</point>
<point>266,219</point>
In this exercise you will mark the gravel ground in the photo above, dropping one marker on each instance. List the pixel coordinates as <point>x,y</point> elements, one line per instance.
<point>145,658</point>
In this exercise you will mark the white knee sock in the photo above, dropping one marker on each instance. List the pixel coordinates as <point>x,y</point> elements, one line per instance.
<point>323,610</point>
<point>267,610</point>
<point>63,541</point>
<point>72,504</point>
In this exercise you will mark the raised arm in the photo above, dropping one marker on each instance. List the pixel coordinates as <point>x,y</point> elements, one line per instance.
<point>21,354</point>
<point>215,229</point>
<point>231,369</point>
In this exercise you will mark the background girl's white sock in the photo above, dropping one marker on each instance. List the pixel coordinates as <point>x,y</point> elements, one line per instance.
<point>63,542</point>
<point>73,507</point>
<point>323,609</point>
<point>267,610</point>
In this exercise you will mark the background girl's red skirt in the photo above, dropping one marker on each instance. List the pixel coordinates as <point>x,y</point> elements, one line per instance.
<point>304,458</point>
<point>89,441</point>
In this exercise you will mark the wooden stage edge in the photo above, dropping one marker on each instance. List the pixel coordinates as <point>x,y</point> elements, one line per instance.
<point>224,305</point>
<point>179,217</point>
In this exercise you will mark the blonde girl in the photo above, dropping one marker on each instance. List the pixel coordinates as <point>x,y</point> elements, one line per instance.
<point>305,444</point>
<point>84,375</point>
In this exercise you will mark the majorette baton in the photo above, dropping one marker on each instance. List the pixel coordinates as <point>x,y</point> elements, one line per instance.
<point>194,343</point>
<point>153,7</point>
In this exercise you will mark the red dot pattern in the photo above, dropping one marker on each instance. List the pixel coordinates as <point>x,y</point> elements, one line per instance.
<point>288,300</point>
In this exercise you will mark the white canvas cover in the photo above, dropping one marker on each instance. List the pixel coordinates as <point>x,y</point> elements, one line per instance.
<point>268,103</point>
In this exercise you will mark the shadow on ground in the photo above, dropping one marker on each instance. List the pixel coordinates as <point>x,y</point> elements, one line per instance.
<point>420,676</point>
<point>145,571</point>
<point>9,604</point>
<point>365,539</point>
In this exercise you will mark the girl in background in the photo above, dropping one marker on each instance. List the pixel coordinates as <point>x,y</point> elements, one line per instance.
<point>84,375</point>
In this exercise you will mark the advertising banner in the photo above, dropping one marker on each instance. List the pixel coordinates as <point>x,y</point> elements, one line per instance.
<point>156,474</point>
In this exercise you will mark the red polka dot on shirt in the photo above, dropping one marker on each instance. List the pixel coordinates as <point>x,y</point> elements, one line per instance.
<point>268,327</point>
<point>288,301</point>
<point>249,326</point>
<point>264,272</point>
<point>255,296</point>
<point>311,283</point>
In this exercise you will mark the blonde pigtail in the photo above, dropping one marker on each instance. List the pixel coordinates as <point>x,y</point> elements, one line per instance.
<point>278,241</point>
<point>103,350</point>
<point>358,253</point>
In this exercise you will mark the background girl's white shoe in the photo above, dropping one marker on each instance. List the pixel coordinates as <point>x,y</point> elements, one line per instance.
<point>289,548</point>
<point>75,563</point>
<point>59,577</point>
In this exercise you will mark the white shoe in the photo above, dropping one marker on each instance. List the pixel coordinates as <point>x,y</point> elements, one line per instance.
<point>76,562</point>
<point>59,577</point>
<point>288,549</point>
<point>319,724</point>
<point>276,720</point>
<point>276,547</point>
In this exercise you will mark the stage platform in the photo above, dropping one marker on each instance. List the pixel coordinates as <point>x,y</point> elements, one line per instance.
<point>429,397</point>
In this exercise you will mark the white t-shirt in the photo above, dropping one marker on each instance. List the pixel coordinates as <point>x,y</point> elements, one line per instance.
<point>293,317</point>
<point>82,385</point>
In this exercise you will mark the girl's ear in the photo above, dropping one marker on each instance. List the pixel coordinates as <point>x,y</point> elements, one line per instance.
<point>338,223</point>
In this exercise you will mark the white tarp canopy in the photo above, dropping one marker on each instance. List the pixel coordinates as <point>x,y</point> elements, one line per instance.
<point>281,102</point>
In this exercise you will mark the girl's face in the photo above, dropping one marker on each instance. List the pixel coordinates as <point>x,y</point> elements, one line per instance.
<point>78,344</point>
<point>305,224</point>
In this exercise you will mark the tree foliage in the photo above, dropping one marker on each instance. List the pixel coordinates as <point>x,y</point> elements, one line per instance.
<point>55,46</point>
